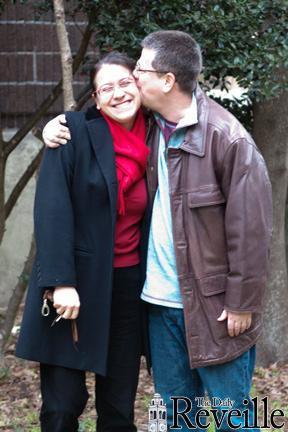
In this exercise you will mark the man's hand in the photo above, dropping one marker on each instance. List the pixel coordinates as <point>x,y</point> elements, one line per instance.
<point>66,302</point>
<point>236,322</point>
<point>55,133</point>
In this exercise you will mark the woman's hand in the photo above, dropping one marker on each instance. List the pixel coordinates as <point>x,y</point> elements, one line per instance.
<point>55,133</point>
<point>66,302</point>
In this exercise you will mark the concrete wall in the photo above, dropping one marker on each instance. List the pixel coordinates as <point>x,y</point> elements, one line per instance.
<point>19,227</point>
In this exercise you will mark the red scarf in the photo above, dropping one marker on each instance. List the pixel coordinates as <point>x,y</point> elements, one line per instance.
<point>131,154</point>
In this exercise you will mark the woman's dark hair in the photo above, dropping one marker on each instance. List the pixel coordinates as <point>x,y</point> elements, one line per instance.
<point>112,58</point>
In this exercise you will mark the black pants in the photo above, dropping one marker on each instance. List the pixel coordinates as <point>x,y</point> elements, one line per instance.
<point>64,392</point>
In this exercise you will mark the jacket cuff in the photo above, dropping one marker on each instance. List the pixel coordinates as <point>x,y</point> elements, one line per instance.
<point>52,283</point>
<point>244,296</point>
<point>57,277</point>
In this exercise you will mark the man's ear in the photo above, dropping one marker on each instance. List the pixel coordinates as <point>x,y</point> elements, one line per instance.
<point>168,82</point>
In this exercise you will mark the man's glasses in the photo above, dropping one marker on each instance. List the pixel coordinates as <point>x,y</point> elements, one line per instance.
<point>139,69</point>
<point>107,90</point>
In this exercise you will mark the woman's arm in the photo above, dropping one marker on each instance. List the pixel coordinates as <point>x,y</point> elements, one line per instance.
<point>54,219</point>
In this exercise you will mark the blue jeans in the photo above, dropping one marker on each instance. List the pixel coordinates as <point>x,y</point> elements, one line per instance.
<point>174,377</point>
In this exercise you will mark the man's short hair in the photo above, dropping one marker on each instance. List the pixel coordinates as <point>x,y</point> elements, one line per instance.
<point>176,52</point>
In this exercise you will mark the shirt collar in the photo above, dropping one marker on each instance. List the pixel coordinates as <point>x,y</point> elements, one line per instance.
<point>190,116</point>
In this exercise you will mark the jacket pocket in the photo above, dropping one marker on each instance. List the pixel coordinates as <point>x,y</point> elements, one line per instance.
<point>212,299</point>
<point>206,196</point>
<point>206,229</point>
<point>213,285</point>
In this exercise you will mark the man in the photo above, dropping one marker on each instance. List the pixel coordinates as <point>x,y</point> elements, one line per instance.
<point>209,237</point>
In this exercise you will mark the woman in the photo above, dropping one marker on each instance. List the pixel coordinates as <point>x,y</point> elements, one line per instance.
<point>89,205</point>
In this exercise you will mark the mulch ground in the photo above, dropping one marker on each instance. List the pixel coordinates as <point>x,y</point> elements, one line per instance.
<point>20,395</point>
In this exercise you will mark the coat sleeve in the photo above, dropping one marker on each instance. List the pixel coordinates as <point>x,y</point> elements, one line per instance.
<point>53,218</point>
<point>248,225</point>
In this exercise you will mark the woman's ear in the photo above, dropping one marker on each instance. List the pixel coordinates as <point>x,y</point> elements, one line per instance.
<point>94,97</point>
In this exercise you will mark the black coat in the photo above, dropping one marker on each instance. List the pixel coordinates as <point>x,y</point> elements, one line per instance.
<point>75,214</point>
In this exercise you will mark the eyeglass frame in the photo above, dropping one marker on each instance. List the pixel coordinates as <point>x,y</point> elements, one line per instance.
<point>138,69</point>
<point>130,79</point>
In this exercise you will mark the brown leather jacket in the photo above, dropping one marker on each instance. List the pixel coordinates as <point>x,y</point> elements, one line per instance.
<point>222,222</point>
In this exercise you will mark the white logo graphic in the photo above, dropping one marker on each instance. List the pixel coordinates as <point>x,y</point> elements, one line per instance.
<point>157,415</point>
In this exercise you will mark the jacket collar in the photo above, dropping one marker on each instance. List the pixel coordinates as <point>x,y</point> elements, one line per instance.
<point>195,138</point>
<point>92,113</point>
<point>102,143</point>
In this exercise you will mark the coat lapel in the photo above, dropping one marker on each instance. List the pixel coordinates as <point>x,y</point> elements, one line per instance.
<point>102,145</point>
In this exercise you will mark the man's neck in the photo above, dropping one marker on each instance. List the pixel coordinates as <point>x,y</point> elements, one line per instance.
<point>175,106</point>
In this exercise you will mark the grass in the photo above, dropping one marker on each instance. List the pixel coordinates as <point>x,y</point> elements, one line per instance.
<point>31,424</point>
<point>4,372</point>
<point>87,425</point>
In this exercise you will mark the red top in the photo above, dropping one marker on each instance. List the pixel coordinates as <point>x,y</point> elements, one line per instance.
<point>127,230</point>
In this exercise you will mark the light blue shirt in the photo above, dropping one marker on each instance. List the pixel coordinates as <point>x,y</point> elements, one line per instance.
<point>162,286</point>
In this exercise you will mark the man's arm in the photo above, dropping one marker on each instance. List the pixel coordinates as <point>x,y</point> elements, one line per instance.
<point>248,227</point>
<point>55,132</point>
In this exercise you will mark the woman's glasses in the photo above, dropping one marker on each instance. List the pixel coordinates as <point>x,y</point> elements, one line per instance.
<point>107,90</point>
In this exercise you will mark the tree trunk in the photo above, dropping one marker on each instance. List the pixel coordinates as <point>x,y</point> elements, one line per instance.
<point>270,132</point>
<point>66,56</point>
<point>286,230</point>
<point>2,198</point>
<point>2,186</point>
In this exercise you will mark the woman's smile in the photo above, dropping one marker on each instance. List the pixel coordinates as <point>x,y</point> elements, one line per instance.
<point>118,98</point>
<point>123,104</point>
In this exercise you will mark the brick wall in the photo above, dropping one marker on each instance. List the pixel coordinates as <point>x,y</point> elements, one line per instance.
<point>30,61</point>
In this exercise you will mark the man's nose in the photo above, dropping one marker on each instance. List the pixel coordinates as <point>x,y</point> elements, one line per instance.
<point>135,74</point>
